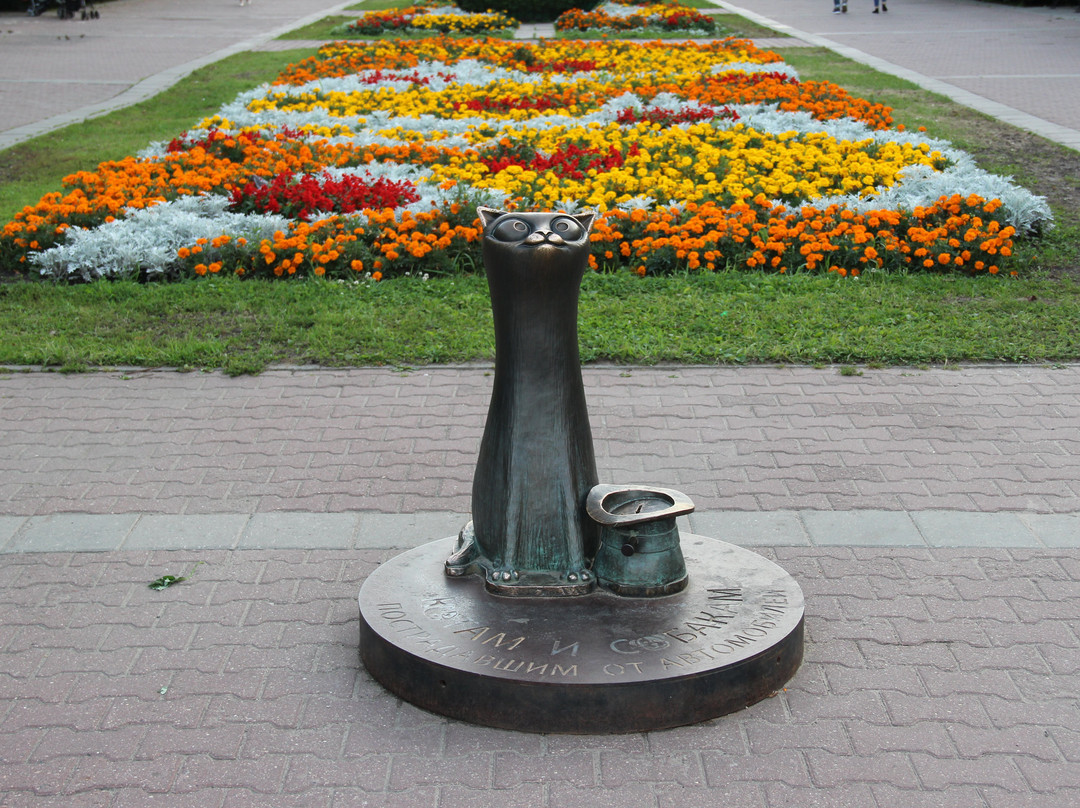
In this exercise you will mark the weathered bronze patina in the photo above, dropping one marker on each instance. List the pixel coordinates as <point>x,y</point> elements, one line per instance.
<point>530,535</point>
<point>595,664</point>
<point>566,605</point>
<point>639,553</point>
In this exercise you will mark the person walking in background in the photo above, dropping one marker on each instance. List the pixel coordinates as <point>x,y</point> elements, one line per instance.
<point>875,11</point>
<point>840,6</point>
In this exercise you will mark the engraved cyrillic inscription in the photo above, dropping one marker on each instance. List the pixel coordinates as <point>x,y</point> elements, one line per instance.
<point>654,642</point>
<point>479,634</point>
<point>556,648</point>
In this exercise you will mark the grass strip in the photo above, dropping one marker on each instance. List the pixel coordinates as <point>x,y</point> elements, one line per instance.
<point>724,317</point>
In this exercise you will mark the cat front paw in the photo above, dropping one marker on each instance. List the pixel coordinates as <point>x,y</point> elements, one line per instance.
<point>503,576</point>
<point>464,560</point>
<point>582,576</point>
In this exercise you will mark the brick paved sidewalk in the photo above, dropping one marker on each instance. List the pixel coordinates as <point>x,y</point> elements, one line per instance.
<point>940,677</point>
<point>981,439</point>
<point>933,675</point>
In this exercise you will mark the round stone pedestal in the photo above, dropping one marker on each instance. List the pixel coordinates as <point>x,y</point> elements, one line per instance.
<point>587,665</point>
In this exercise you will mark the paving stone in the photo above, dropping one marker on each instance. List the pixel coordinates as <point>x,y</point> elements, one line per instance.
<point>807,708</point>
<point>750,529</point>
<point>299,530</point>
<point>863,528</point>
<point>462,738</point>
<point>512,770</point>
<point>932,738</point>
<point>9,526</point>
<point>472,770</point>
<point>1027,741</point>
<point>167,531</point>
<point>156,776</point>
<point>1006,713</point>
<point>830,735</point>
<point>563,795</point>
<point>742,795</point>
<point>833,771</point>
<point>38,779</point>
<point>787,766</point>
<point>684,768</point>
<point>422,797</point>
<point>943,529</point>
<point>75,531</point>
<point>525,795</point>
<point>243,798</point>
<point>997,770</point>
<point>97,799</point>
<point>718,735</point>
<point>263,775</point>
<point>407,530</point>
<point>955,797</point>
<point>114,745</point>
<point>847,795</point>
<point>1000,798</point>
<point>160,739</point>
<point>844,681</point>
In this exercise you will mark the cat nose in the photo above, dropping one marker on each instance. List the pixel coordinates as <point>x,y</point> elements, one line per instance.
<point>544,236</point>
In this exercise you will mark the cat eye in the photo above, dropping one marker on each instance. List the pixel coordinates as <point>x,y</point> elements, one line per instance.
<point>567,227</point>
<point>510,230</point>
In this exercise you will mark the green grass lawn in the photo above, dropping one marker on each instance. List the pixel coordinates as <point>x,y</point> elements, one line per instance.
<point>726,317</point>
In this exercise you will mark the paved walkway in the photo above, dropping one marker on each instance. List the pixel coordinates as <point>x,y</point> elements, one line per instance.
<point>56,72</point>
<point>384,458</point>
<point>932,518</point>
<point>1019,64</point>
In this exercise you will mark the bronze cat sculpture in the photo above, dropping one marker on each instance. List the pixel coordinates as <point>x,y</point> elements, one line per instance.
<point>530,534</point>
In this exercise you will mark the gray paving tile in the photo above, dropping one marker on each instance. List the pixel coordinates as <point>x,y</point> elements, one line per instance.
<point>9,526</point>
<point>1054,529</point>
<point>407,529</point>
<point>300,531</point>
<point>751,528</point>
<point>71,532</point>
<point>862,528</point>
<point>187,531</point>
<point>963,529</point>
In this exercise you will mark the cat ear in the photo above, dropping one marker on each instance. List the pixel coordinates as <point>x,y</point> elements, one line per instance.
<point>585,220</point>
<point>488,215</point>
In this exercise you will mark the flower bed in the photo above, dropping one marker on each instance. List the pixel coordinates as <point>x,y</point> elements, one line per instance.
<point>429,17</point>
<point>647,18</point>
<point>369,159</point>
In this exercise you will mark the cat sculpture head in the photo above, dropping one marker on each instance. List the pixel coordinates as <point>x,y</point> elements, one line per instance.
<point>536,229</point>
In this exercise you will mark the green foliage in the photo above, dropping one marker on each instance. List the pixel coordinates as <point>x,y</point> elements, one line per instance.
<point>165,581</point>
<point>726,317</point>
<point>320,29</point>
